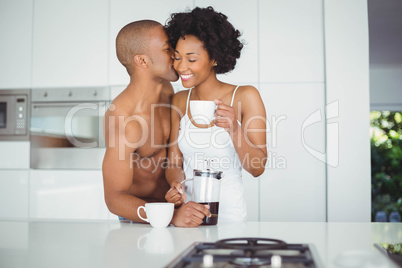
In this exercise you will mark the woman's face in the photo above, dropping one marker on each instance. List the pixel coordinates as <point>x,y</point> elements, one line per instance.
<point>192,62</point>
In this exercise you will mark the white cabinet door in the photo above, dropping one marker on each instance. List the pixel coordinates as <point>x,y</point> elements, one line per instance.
<point>14,193</point>
<point>293,187</point>
<point>16,43</point>
<point>14,154</point>
<point>291,41</point>
<point>243,15</point>
<point>66,194</point>
<point>70,43</point>
<point>123,12</point>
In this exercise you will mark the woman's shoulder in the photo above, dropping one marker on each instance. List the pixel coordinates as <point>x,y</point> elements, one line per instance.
<point>250,99</point>
<point>180,95</point>
<point>247,88</point>
<point>247,92</point>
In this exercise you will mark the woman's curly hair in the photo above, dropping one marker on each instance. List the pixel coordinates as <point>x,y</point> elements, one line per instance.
<point>220,38</point>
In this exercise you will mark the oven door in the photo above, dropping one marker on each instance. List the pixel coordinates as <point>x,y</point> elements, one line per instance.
<point>7,115</point>
<point>67,135</point>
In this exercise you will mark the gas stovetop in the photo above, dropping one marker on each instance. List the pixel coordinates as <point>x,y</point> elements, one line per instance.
<point>247,252</point>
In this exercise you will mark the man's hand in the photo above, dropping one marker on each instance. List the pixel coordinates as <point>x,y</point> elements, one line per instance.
<point>190,215</point>
<point>176,194</point>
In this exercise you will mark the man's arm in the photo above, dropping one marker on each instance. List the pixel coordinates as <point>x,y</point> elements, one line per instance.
<point>122,137</point>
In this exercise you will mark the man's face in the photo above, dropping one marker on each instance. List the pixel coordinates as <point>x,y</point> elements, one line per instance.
<point>161,55</point>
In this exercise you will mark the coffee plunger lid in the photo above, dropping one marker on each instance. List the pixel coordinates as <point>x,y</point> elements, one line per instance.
<point>208,173</point>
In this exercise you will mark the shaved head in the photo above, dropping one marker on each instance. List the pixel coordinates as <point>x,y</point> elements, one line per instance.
<point>133,39</point>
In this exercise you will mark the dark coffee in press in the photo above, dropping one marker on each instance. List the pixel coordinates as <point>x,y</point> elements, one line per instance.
<point>214,209</point>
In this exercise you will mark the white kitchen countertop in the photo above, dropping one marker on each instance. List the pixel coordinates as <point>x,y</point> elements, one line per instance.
<point>56,243</point>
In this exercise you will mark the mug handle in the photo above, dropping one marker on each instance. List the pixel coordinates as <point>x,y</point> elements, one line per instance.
<point>185,182</point>
<point>139,241</point>
<point>139,215</point>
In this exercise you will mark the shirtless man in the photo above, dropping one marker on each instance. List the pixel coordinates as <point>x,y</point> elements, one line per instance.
<point>137,127</point>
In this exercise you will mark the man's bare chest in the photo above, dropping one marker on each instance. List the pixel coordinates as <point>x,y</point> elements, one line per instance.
<point>157,133</point>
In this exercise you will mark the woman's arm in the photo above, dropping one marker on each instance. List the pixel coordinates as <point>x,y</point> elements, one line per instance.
<point>249,139</point>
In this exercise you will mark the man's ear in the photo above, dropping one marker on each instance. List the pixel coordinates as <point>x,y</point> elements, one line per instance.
<point>141,61</point>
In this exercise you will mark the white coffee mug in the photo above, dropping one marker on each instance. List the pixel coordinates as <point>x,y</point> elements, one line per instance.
<point>159,215</point>
<point>202,112</point>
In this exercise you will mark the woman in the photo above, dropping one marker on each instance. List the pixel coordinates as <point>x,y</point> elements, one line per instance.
<point>206,44</point>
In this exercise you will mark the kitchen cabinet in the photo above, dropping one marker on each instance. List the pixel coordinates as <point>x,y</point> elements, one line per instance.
<point>293,187</point>
<point>14,193</point>
<point>19,242</point>
<point>243,15</point>
<point>291,46</point>
<point>67,194</point>
<point>16,43</point>
<point>70,43</point>
<point>15,154</point>
<point>123,12</point>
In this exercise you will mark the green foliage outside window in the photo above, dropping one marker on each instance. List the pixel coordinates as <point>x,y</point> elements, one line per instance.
<point>386,162</point>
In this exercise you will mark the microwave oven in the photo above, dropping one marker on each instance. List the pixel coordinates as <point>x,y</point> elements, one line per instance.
<point>14,114</point>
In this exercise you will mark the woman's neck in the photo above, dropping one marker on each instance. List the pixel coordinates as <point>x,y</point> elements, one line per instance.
<point>208,90</point>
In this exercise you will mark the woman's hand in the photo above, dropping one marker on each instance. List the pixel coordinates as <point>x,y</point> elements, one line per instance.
<point>225,117</point>
<point>176,194</point>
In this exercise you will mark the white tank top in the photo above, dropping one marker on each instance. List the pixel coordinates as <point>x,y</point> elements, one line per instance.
<point>213,148</point>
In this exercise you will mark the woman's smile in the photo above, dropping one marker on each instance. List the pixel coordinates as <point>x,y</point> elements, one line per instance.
<point>185,77</point>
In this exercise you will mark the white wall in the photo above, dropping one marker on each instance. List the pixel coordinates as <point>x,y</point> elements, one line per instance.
<point>301,55</point>
<point>16,43</point>
<point>70,43</point>
<point>347,84</point>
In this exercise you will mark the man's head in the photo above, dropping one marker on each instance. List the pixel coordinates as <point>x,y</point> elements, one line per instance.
<point>133,39</point>
<point>144,44</point>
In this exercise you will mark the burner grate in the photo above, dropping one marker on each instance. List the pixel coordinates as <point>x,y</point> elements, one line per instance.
<point>246,252</point>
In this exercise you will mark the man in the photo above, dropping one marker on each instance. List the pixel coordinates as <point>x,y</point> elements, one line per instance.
<point>137,127</point>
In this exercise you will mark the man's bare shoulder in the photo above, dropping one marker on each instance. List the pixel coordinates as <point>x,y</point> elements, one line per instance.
<point>121,115</point>
<point>123,104</point>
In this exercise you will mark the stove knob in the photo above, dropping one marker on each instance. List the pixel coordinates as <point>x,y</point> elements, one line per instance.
<point>276,261</point>
<point>208,261</point>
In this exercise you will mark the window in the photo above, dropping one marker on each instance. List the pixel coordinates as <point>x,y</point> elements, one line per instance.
<point>386,165</point>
